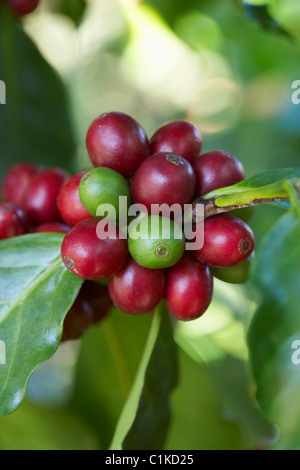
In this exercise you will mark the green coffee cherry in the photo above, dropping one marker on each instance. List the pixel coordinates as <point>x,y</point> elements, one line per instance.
<point>101,186</point>
<point>156,242</point>
<point>238,274</point>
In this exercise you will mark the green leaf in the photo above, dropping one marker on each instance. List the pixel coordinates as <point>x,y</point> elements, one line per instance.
<point>145,418</point>
<point>34,122</point>
<point>36,292</point>
<point>109,358</point>
<point>216,342</point>
<point>197,420</point>
<point>260,14</point>
<point>258,189</point>
<point>275,327</point>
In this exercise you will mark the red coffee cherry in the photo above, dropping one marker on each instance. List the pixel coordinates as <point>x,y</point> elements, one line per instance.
<point>16,181</point>
<point>217,169</point>
<point>115,140</point>
<point>135,289</point>
<point>189,288</point>
<point>227,241</point>
<point>78,319</point>
<point>23,7</point>
<point>41,197</point>
<point>90,257</point>
<point>163,178</point>
<point>179,137</point>
<point>13,221</point>
<point>90,307</point>
<point>98,298</point>
<point>70,206</point>
<point>54,227</point>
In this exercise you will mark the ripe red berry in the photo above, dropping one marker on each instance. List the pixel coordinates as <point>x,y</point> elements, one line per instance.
<point>91,306</point>
<point>135,289</point>
<point>70,206</point>
<point>179,137</point>
<point>163,178</point>
<point>98,298</point>
<point>78,319</point>
<point>13,221</point>
<point>227,241</point>
<point>23,7</point>
<point>54,227</point>
<point>189,288</point>
<point>217,169</point>
<point>41,197</point>
<point>16,181</point>
<point>90,257</point>
<point>115,140</point>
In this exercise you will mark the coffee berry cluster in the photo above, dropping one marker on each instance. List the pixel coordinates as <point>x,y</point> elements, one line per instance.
<point>125,265</point>
<point>30,205</point>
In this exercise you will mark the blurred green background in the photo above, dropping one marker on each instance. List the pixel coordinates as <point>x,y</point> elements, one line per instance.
<point>229,70</point>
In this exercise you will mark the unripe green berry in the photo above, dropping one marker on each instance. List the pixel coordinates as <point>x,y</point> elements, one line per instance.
<point>103,186</point>
<point>156,242</point>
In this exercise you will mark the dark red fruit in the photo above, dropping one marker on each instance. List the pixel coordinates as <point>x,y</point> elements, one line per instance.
<point>70,206</point>
<point>90,257</point>
<point>23,7</point>
<point>78,319</point>
<point>163,178</point>
<point>179,137</point>
<point>41,197</point>
<point>189,288</point>
<point>16,181</point>
<point>135,289</point>
<point>54,227</point>
<point>91,306</point>
<point>227,241</point>
<point>217,169</point>
<point>115,140</point>
<point>13,221</point>
<point>98,298</point>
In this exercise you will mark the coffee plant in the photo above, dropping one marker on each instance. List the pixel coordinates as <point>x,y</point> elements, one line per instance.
<point>136,242</point>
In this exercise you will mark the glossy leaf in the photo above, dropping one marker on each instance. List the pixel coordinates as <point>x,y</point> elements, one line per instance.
<point>145,418</point>
<point>36,292</point>
<point>198,422</point>
<point>276,326</point>
<point>261,187</point>
<point>216,343</point>
<point>109,358</point>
